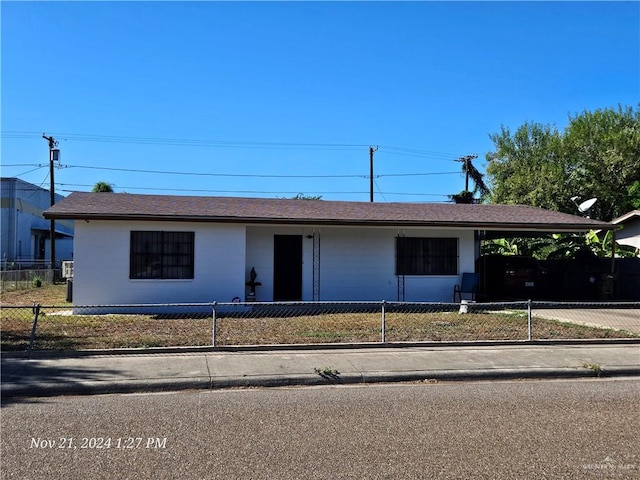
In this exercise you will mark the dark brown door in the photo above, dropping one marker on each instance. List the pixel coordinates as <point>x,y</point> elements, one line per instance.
<point>287,268</point>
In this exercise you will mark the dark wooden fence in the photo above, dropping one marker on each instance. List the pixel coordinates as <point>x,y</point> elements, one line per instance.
<point>584,279</point>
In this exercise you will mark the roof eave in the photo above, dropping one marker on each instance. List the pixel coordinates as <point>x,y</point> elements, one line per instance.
<point>570,227</point>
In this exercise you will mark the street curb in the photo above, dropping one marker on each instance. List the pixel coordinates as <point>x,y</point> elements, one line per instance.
<point>12,390</point>
<point>103,387</point>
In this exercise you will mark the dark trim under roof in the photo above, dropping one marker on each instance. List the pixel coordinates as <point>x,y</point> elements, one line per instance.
<point>125,206</point>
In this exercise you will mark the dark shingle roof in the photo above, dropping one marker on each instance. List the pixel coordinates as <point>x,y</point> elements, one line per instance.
<point>124,206</point>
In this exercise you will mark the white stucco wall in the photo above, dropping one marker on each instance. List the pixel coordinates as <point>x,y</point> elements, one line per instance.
<point>630,233</point>
<point>260,256</point>
<point>356,263</point>
<point>101,266</point>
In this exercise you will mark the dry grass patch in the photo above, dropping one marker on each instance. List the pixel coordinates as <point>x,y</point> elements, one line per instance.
<point>45,295</point>
<point>58,329</point>
<point>324,328</point>
<point>77,332</point>
<point>120,331</point>
<point>453,326</point>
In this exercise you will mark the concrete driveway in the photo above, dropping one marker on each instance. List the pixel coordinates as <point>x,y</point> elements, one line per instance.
<point>618,318</point>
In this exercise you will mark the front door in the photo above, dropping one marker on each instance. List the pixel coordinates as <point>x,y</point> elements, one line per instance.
<point>287,268</point>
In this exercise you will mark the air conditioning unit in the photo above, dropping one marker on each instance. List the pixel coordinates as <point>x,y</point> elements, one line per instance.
<point>67,269</point>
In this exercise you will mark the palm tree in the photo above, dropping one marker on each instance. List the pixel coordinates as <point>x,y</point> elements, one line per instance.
<point>467,196</point>
<point>103,187</point>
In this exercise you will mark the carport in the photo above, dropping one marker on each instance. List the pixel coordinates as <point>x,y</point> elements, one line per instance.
<point>523,277</point>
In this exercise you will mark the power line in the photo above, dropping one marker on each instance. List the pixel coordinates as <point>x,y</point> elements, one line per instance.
<point>388,149</point>
<point>204,174</point>
<point>417,155</point>
<point>380,191</point>
<point>292,192</point>
<point>414,152</point>
<point>29,171</point>
<point>251,175</point>
<point>385,149</point>
<point>185,142</point>
<point>415,174</point>
<point>24,165</point>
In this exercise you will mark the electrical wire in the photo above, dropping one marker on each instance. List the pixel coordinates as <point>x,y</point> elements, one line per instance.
<point>414,152</point>
<point>241,175</point>
<point>203,174</point>
<point>414,174</point>
<point>380,191</point>
<point>388,149</point>
<point>251,191</point>
<point>253,175</point>
<point>383,149</point>
<point>29,171</point>
<point>185,142</point>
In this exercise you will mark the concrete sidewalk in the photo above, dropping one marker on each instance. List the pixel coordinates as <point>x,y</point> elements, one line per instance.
<point>134,372</point>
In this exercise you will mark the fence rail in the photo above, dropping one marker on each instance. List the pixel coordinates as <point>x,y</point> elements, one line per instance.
<point>219,324</point>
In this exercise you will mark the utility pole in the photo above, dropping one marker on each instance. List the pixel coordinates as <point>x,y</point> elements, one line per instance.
<point>54,155</point>
<point>466,161</point>
<point>371,150</point>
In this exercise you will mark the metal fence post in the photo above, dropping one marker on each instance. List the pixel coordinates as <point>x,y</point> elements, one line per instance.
<point>384,322</point>
<point>529,321</point>
<point>36,314</point>
<point>213,325</point>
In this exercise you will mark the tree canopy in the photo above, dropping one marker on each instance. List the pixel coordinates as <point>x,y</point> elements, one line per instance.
<point>596,155</point>
<point>103,187</point>
<point>302,196</point>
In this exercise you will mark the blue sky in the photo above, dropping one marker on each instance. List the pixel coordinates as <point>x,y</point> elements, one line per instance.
<point>267,99</point>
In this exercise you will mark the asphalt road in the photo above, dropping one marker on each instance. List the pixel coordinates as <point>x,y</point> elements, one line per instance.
<point>512,430</point>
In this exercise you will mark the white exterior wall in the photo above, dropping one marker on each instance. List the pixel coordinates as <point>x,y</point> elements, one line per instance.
<point>101,266</point>
<point>260,256</point>
<point>356,264</point>
<point>630,234</point>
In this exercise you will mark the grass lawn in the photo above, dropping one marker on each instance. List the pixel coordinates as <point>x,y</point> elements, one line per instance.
<point>58,329</point>
<point>45,295</point>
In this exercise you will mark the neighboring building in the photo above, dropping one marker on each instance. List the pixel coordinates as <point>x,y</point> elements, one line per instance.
<point>630,232</point>
<point>175,249</point>
<point>25,236</point>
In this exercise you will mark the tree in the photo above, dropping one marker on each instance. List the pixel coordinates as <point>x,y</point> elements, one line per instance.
<point>470,171</point>
<point>528,168</point>
<point>530,247</point>
<point>302,196</point>
<point>103,187</point>
<point>572,245</point>
<point>605,146</point>
<point>597,155</point>
<point>634,195</point>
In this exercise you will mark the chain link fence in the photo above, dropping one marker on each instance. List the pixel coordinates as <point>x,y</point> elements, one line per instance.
<point>222,324</point>
<point>22,279</point>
